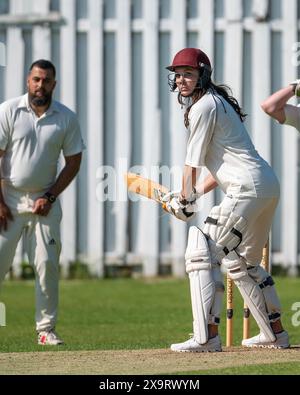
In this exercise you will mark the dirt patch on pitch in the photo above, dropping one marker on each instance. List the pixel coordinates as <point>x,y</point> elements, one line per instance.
<point>137,361</point>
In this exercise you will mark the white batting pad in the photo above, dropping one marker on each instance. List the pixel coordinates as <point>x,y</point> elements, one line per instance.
<point>202,284</point>
<point>197,254</point>
<point>216,307</point>
<point>266,284</point>
<point>202,293</point>
<point>250,291</point>
<point>226,229</point>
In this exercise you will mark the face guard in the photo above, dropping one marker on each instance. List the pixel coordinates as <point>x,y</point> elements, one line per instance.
<point>203,81</point>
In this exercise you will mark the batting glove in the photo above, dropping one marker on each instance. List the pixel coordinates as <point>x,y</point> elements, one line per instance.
<point>296,86</point>
<point>181,209</point>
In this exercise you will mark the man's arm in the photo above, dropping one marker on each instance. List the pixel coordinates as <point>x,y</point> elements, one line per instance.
<point>68,173</point>
<point>274,105</point>
<point>5,213</point>
<point>1,195</point>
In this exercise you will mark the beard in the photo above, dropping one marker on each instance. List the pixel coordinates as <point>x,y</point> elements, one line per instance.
<point>40,101</point>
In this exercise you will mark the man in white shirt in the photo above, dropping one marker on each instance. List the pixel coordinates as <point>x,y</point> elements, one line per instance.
<point>34,131</point>
<point>276,105</point>
<point>235,231</point>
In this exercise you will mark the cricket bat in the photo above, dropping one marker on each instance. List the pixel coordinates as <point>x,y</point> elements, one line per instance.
<point>145,187</point>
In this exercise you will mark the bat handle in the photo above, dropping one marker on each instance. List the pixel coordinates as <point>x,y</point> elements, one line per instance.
<point>164,206</point>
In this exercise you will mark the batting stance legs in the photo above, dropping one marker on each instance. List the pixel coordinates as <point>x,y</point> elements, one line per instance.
<point>236,242</point>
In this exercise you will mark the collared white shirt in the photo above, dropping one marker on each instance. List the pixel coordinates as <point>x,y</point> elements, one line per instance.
<point>33,145</point>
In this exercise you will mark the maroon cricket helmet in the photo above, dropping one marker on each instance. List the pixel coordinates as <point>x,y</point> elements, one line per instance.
<point>192,57</point>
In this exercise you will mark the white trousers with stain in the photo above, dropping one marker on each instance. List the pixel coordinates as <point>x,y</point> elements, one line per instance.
<point>42,243</point>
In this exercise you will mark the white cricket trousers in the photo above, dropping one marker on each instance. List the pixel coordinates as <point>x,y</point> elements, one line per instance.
<point>41,236</point>
<point>259,214</point>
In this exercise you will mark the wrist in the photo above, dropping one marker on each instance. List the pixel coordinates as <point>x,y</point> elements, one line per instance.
<point>50,197</point>
<point>187,200</point>
<point>296,87</point>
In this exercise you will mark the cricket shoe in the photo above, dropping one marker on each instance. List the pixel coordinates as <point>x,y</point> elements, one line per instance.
<point>49,338</point>
<point>192,345</point>
<point>282,341</point>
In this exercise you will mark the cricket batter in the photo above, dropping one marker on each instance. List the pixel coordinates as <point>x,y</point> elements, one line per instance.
<point>34,130</point>
<point>236,231</point>
<point>276,105</point>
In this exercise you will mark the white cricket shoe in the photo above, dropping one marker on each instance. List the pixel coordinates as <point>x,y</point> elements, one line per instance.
<point>49,338</point>
<point>282,341</point>
<point>192,345</point>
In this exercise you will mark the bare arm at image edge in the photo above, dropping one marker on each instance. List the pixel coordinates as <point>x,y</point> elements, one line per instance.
<point>275,104</point>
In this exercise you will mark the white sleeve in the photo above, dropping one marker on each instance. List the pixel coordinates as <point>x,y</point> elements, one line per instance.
<point>202,124</point>
<point>292,116</point>
<point>4,127</point>
<point>73,143</point>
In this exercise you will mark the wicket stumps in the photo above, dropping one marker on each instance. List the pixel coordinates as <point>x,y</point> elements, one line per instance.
<point>229,303</point>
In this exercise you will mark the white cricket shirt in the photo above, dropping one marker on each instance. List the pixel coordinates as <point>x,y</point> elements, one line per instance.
<point>219,141</point>
<point>33,145</point>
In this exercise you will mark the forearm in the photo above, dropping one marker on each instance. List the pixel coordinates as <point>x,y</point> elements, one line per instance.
<point>63,180</point>
<point>189,179</point>
<point>274,104</point>
<point>1,194</point>
<point>66,176</point>
<point>207,185</point>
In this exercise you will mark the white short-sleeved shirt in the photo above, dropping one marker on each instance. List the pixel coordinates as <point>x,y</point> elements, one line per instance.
<point>292,116</point>
<point>219,141</point>
<point>33,145</point>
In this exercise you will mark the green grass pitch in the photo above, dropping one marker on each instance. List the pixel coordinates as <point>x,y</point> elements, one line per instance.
<point>115,314</point>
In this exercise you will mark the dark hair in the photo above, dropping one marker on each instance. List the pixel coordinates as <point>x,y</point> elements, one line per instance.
<point>222,90</point>
<point>43,64</point>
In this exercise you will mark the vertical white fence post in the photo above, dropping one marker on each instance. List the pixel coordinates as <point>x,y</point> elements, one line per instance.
<point>14,85</point>
<point>261,66</point>
<point>148,223</point>
<point>123,119</point>
<point>95,137</point>
<point>41,34</point>
<point>68,98</point>
<point>178,136</point>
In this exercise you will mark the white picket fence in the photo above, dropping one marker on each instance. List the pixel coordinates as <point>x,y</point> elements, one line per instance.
<point>110,57</point>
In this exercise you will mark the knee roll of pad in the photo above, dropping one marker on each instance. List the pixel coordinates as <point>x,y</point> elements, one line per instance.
<point>235,266</point>
<point>226,229</point>
<point>197,255</point>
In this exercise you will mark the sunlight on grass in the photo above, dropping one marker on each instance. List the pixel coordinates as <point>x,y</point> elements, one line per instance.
<point>130,314</point>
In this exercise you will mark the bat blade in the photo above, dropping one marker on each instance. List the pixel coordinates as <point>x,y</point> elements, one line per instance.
<point>145,187</point>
